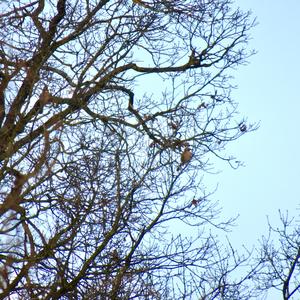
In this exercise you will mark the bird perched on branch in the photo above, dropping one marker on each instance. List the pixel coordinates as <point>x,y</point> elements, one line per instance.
<point>185,157</point>
<point>193,60</point>
<point>45,96</point>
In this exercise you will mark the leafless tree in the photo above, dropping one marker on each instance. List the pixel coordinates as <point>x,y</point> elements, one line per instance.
<point>280,258</point>
<point>98,100</point>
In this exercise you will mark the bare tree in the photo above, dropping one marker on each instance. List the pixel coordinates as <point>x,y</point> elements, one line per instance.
<point>98,101</point>
<point>280,258</point>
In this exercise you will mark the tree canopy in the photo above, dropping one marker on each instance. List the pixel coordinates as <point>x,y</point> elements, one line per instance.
<point>98,101</point>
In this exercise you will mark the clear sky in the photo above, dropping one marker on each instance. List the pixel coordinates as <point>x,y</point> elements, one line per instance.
<point>268,92</point>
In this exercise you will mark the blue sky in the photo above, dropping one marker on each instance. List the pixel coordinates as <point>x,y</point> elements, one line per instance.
<point>267,93</point>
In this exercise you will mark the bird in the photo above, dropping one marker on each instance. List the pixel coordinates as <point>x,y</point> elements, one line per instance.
<point>45,95</point>
<point>185,157</point>
<point>243,127</point>
<point>193,60</point>
<point>44,98</point>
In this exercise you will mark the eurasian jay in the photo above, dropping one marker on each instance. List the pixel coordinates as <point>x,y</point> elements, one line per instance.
<point>186,156</point>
